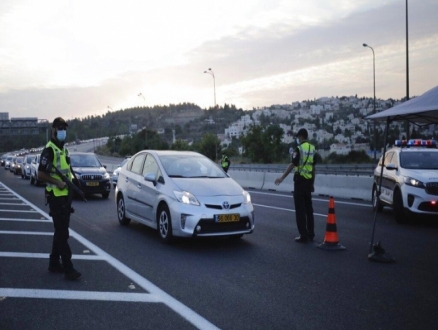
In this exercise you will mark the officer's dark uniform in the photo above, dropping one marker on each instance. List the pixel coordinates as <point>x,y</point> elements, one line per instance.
<point>304,178</point>
<point>54,154</point>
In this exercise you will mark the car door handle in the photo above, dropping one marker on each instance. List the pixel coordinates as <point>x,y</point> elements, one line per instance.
<point>139,186</point>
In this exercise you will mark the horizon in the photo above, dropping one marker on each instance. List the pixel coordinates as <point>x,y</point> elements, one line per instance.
<point>82,58</point>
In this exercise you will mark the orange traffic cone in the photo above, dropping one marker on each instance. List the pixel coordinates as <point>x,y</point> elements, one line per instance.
<point>331,240</point>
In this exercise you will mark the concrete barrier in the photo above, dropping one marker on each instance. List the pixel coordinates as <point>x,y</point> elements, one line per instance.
<point>353,187</point>
<point>286,186</point>
<point>248,179</point>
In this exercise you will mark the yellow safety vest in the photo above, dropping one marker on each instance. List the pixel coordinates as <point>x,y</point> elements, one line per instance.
<point>60,161</point>
<point>224,161</point>
<point>307,152</point>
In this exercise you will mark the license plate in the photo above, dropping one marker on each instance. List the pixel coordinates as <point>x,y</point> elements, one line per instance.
<point>92,184</point>
<point>226,217</point>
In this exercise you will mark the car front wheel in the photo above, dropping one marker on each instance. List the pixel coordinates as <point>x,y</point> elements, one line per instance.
<point>164,223</point>
<point>400,213</point>
<point>123,220</point>
<point>376,202</point>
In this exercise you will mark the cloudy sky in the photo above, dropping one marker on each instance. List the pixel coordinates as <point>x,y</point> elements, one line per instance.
<point>87,57</point>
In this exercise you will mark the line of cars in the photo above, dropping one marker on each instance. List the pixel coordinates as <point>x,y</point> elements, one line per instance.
<point>92,175</point>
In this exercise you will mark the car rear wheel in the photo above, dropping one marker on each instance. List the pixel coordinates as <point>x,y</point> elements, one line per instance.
<point>376,202</point>
<point>400,213</point>
<point>123,220</point>
<point>164,223</point>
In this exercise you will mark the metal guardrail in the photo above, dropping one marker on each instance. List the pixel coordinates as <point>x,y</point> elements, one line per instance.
<point>334,169</point>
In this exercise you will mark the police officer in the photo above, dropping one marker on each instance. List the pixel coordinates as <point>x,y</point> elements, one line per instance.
<point>225,162</point>
<point>55,154</point>
<point>304,179</point>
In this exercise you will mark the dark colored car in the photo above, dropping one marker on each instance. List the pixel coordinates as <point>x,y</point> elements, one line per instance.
<point>92,175</point>
<point>18,163</point>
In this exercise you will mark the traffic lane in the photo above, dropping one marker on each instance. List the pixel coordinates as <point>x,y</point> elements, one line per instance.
<point>142,250</point>
<point>218,266</point>
<point>349,286</point>
<point>17,268</point>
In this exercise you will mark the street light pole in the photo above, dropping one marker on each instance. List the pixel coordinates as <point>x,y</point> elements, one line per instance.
<point>210,72</point>
<point>146,132</point>
<point>407,70</point>
<point>374,102</point>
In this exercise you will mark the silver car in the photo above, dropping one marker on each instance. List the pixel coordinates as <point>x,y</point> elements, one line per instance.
<point>182,193</point>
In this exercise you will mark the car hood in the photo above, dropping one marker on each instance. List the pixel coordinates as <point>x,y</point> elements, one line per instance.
<point>94,170</point>
<point>425,175</point>
<point>209,186</point>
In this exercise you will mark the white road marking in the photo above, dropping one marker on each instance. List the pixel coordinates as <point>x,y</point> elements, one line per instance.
<point>155,293</point>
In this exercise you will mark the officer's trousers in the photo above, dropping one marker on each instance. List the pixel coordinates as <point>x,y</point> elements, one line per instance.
<point>303,207</point>
<point>60,212</point>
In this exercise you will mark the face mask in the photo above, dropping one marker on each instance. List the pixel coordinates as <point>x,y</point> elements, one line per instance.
<point>61,135</point>
<point>298,141</point>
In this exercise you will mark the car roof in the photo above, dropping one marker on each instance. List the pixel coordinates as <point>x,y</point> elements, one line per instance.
<point>172,153</point>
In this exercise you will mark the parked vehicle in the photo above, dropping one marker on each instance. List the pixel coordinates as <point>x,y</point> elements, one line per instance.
<point>91,174</point>
<point>182,193</point>
<point>409,180</point>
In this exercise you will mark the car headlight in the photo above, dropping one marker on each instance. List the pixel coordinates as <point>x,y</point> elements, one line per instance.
<point>186,198</point>
<point>246,197</point>
<point>413,182</point>
<point>106,176</point>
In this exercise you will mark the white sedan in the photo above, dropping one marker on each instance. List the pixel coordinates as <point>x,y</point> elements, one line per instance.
<point>182,193</point>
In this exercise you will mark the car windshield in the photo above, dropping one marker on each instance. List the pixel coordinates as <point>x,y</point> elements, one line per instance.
<point>19,159</point>
<point>425,160</point>
<point>84,161</point>
<point>189,166</point>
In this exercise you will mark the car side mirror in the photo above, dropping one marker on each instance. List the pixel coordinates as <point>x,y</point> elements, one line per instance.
<point>391,167</point>
<point>151,178</point>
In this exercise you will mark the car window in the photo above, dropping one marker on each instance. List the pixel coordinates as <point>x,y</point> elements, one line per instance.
<point>150,165</point>
<point>84,160</point>
<point>190,167</point>
<point>137,163</point>
<point>419,160</point>
<point>388,158</point>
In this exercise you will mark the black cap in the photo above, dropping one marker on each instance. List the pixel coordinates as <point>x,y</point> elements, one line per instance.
<point>302,132</point>
<point>59,122</point>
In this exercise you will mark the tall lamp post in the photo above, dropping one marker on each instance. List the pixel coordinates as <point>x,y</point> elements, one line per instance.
<point>146,133</point>
<point>210,72</point>
<point>374,102</point>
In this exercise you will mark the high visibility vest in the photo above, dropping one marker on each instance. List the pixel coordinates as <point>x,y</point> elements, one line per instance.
<point>224,161</point>
<point>307,152</point>
<point>60,161</point>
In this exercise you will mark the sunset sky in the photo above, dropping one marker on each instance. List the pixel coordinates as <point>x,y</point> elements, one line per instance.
<point>80,58</point>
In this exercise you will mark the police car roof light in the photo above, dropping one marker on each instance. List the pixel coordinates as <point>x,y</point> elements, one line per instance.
<point>400,143</point>
<point>416,143</point>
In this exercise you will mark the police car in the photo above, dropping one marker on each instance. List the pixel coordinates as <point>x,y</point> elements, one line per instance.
<point>409,179</point>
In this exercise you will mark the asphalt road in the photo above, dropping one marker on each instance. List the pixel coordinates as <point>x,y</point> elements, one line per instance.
<point>131,280</point>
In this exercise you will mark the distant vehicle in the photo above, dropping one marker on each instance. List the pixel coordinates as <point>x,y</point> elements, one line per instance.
<point>8,162</point>
<point>3,159</point>
<point>91,174</point>
<point>116,172</point>
<point>182,193</point>
<point>410,180</point>
<point>17,164</point>
<point>25,169</point>
<point>34,171</point>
